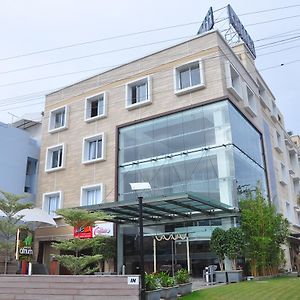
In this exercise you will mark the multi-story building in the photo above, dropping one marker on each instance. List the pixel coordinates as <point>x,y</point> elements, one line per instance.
<point>195,120</point>
<point>20,150</point>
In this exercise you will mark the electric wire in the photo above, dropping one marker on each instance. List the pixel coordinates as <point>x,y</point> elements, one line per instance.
<point>113,66</point>
<point>133,34</point>
<point>117,102</point>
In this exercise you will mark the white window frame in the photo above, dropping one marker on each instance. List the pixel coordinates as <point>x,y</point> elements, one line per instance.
<point>60,201</point>
<point>85,148</point>
<point>229,68</point>
<point>52,114</point>
<point>278,143</point>
<point>250,103</point>
<point>86,188</point>
<point>87,107</point>
<point>263,95</point>
<point>128,93</point>
<point>288,209</point>
<point>49,152</point>
<point>177,90</point>
<point>283,174</point>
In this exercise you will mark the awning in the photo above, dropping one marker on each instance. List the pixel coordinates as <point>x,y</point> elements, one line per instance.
<point>166,210</point>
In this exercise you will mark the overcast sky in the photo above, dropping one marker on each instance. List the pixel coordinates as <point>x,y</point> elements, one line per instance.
<point>34,25</point>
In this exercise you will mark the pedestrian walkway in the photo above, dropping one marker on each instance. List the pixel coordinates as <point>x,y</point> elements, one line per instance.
<point>199,284</point>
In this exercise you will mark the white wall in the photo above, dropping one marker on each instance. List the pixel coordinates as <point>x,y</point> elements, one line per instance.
<point>16,146</point>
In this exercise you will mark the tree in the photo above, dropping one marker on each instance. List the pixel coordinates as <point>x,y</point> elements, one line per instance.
<point>76,262</point>
<point>218,244</point>
<point>265,232</point>
<point>10,205</point>
<point>234,244</point>
<point>106,247</point>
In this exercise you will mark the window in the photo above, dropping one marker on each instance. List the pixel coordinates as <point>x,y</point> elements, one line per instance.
<point>55,158</point>
<point>233,81</point>
<point>95,107</point>
<point>93,148</point>
<point>138,93</point>
<point>250,101</point>
<point>91,195</point>
<point>288,211</point>
<point>278,142</point>
<point>58,119</point>
<point>263,95</point>
<point>283,176</point>
<point>189,77</point>
<point>52,202</point>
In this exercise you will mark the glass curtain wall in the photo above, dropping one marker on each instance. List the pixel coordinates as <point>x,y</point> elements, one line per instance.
<point>211,150</point>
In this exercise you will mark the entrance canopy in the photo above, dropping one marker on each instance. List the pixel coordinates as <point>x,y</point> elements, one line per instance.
<point>166,210</point>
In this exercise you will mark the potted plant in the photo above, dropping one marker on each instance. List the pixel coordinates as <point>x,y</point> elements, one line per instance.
<point>234,248</point>
<point>169,290</point>
<point>217,245</point>
<point>152,287</point>
<point>182,278</point>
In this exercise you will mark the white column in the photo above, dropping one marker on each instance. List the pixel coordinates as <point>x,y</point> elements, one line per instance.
<point>225,184</point>
<point>154,254</point>
<point>30,268</point>
<point>188,255</point>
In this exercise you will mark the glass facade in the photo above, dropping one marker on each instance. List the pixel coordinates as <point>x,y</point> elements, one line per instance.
<point>211,150</point>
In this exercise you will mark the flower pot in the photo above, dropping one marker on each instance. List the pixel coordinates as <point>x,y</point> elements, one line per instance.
<point>235,275</point>
<point>169,293</point>
<point>185,288</point>
<point>220,276</point>
<point>153,295</point>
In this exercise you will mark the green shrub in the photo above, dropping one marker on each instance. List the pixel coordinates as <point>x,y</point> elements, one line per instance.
<point>151,282</point>
<point>182,276</point>
<point>166,280</point>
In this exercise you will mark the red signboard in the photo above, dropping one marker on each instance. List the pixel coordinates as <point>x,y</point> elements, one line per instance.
<point>83,232</point>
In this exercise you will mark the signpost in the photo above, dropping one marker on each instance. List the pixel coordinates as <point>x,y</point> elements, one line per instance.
<point>24,251</point>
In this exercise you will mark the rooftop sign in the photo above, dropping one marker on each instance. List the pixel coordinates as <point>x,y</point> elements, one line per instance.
<point>240,29</point>
<point>208,22</point>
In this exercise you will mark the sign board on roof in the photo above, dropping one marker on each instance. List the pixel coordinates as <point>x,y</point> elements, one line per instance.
<point>208,22</point>
<point>240,29</point>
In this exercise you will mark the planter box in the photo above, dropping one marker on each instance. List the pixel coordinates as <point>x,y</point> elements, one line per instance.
<point>153,295</point>
<point>185,288</point>
<point>220,276</point>
<point>235,276</point>
<point>169,293</point>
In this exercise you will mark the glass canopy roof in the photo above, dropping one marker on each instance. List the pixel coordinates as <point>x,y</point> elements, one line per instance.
<point>165,210</point>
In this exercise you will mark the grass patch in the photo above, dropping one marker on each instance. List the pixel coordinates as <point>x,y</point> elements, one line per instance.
<point>283,288</point>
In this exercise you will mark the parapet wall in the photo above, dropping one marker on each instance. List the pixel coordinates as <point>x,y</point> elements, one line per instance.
<point>67,287</point>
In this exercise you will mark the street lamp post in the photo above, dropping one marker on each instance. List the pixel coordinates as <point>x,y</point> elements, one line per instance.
<point>140,186</point>
<point>142,268</point>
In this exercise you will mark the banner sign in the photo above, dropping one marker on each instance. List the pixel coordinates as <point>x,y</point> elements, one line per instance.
<point>240,29</point>
<point>87,232</point>
<point>106,229</point>
<point>24,243</point>
<point>208,22</point>
<point>83,232</point>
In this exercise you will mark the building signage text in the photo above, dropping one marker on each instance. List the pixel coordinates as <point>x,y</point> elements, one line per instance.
<point>240,29</point>
<point>208,22</point>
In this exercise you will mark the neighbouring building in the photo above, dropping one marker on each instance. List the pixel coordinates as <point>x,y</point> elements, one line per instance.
<point>195,120</point>
<point>20,151</point>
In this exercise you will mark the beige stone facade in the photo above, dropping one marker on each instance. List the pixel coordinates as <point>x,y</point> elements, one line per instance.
<point>216,58</point>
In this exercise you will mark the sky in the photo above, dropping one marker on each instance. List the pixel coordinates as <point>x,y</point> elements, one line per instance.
<point>46,45</point>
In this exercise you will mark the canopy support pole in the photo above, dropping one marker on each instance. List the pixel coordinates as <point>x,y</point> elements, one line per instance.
<point>154,255</point>
<point>188,255</point>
